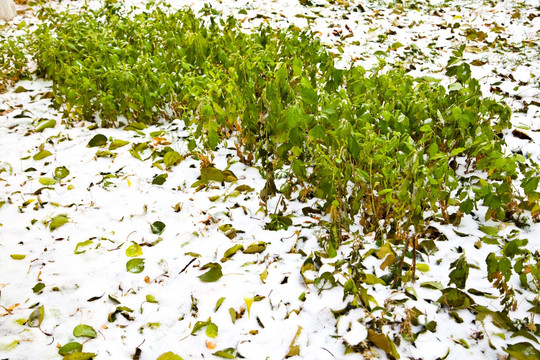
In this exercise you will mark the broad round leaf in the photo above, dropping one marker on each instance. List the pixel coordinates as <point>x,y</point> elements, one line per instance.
<point>135,266</point>
<point>69,348</point>
<point>98,140</point>
<point>84,331</point>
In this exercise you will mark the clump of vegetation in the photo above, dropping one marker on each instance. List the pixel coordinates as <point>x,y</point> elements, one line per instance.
<point>13,62</point>
<point>378,148</point>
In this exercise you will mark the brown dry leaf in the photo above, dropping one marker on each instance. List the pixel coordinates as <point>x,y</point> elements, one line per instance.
<point>210,344</point>
<point>160,141</point>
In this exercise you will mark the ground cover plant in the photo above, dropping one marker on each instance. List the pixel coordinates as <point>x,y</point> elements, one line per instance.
<point>386,162</point>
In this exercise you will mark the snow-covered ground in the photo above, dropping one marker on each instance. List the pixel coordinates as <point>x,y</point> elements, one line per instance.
<point>262,307</point>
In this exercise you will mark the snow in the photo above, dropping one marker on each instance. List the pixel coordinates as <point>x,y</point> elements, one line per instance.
<point>78,287</point>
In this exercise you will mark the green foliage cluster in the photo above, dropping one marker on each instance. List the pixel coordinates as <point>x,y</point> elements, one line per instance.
<point>381,144</point>
<point>13,62</point>
<point>378,147</point>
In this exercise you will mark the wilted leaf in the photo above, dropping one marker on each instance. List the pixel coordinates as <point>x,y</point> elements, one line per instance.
<point>70,348</point>
<point>135,266</point>
<point>98,140</point>
<point>58,221</point>
<point>210,173</point>
<point>214,274</point>
<point>36,317</point>
<point>84,330</point>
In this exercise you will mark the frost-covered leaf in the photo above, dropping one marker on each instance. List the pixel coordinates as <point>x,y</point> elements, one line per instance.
<point>135,266</point>
<point>255,248</point>
<point>61,172</point>
<point>134,250</point>
<point>36,317</point>
<point>84,330</point>
<point>523,351</point>
<point>157,227</point>
<point>70,348</point>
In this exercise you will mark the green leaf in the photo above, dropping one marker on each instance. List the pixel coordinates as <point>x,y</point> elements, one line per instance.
<point>255,248</point>
<point>38,287</point>
<point>70,348</point>
<point>523,351</point>
<point>134,250</point>
<point>17,256</point>
<point>42,155</point>
<point>36,317</point>
<point>157,227</point>
<point>214,274</point>
<point>151,299</point>
<point>172,158</point>
<point>98,140</point>
<point>489,230</point>
<point>135,266</point>
<point>58,221</point>
<point>47,181</point>
<point>435,285</point>
<point>460,272</point>
<point>117,143</point>
<point>159,179</point>
<point>84,331</point>
<point>79,356</point>
<point>169,356</point>
<point>212,330</point>
<point>199,325</point>
<point>210,173</point>
<point>218,303</point>
<point>82,244</point>
<point>44,124</point>
<point>61,172</point>
<point>228,353</point>
<point>231,251</point>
